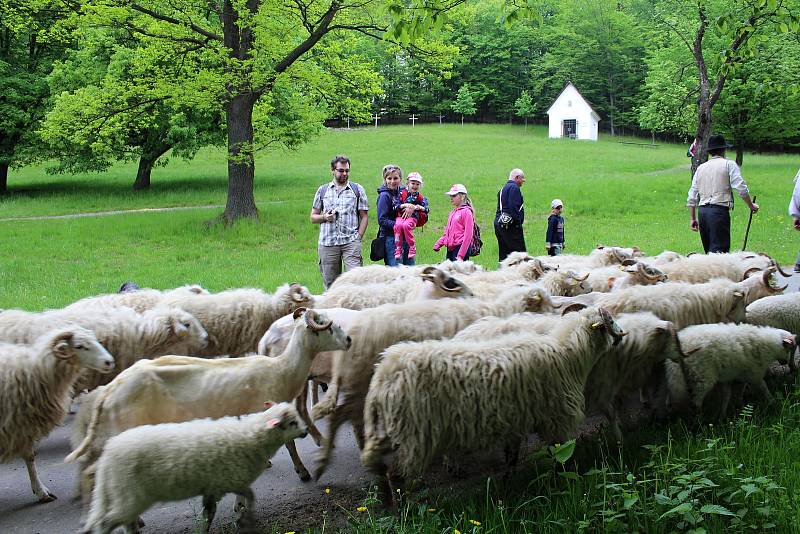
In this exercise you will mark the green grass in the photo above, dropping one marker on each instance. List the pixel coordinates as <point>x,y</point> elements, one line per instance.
<point>614,193</point>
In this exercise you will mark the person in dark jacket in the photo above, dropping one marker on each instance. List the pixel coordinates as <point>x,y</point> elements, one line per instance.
<point>554,240</point>
<point>388,204</point>
<point>508,228</point>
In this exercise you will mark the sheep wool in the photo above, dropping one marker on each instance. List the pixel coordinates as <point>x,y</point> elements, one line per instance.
<point>170,462</point>
<point>778,311</point>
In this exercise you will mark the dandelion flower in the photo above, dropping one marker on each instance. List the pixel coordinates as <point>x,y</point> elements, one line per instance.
<point>290,532</point>
<point>431,509</point>
<point>456,531</point>
<point>362,509</point>
<point>327,490</point>
<point>476,523</point>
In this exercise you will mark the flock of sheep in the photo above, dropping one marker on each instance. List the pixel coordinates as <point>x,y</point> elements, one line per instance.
<point>422,361</point>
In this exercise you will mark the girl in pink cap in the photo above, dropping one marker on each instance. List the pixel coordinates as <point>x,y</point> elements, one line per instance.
<point>458,233</point>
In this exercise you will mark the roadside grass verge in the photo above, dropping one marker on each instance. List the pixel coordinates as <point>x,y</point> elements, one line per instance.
<point>613,193</point>
<point>739,475</point>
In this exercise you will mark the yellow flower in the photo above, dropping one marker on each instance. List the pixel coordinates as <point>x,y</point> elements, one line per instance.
<point>456,531</point>
<point>431,509</point>
<point>290,532</point>
<point>327,490</point>
<point>476,523</point>
<point>362,509</point>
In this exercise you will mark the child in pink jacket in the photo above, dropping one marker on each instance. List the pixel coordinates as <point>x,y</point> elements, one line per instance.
<point>458,233</point>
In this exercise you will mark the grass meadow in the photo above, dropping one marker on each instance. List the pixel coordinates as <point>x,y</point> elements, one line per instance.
<point>741,475</point>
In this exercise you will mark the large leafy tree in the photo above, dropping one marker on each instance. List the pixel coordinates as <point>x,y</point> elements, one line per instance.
<point>720,36</point>
<point>28,47</point>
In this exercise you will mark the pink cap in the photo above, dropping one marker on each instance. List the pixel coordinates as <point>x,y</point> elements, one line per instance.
<point>415,176</point>
<point>456,189</point>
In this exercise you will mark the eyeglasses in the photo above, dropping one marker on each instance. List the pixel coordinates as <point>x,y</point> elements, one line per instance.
<point>343,171</point>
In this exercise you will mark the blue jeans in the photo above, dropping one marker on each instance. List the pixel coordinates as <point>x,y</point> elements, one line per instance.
<point>389,250</point>
<point>452,255</point>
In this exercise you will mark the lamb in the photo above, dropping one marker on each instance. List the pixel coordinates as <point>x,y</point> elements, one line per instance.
<point>431,397</point>
<point>128,335</point>
<point>171,462</point>
<point>178,388</point>
<point>431,284</point>
<point>391,323</point>
<point>720,300</point>
<point>648,341</point>
<point>371,274</point>
<point>721,353</point>
<point>35,382</point>
<point>236,319</point>
<point>779,311</point>
<point>140,300</point>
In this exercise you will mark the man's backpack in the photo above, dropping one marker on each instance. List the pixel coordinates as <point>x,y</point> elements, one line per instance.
<point>423,215</point>
<point>477,242</point>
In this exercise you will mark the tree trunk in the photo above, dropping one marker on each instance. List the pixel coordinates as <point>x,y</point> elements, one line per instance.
<point>739,153</point>
<point>241,166</point>
<point>146,163</point>
<point>3,177</point>
<point>462,119</point>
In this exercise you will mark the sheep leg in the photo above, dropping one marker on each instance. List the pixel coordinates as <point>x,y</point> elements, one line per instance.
<point>725,399</point>
<point>243,510</point>
<point>612,428</point>
<point>762,389</point>
<point>314,392</point>
<point>209,510</point>
<point>396,486</point>
<point>299,468</point>
<point>324,455</point>
<point>41,491</point>
<point>302,408</point>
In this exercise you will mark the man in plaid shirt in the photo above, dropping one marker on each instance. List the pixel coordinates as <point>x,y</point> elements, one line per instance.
<point>340,208</point>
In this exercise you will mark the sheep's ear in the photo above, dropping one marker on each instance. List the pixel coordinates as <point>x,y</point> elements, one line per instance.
<point>738,294</point>
<point>611,281</point>
<point>788,342</point>
<point>268,404</point>
<point>62,346</point>
<point>272,423</point>
<point>178,330</point>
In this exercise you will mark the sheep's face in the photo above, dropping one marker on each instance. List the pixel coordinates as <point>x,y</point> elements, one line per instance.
<point>329,336</point>
<point>789,342</point>
<point>286,420</point>
<point>575,284</point>
<point>737,312</point>
<point>188,329</point>
<point>81,347</point>
<point>438,285</point>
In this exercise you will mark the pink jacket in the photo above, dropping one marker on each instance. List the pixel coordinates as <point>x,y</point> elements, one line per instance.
<point>458,231</point>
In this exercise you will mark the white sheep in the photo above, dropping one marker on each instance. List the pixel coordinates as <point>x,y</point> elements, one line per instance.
<point>392,323</point>
<point>128,335</point>
<point>432,397</point>
<point>779,311</point>
<point>432,283</point>
<point>171,462</point>
<point>140,300</point>
<point>178,388</point>
<point>721,353</point>
<point>648,341</point>
<point>700,268</point>
<point>602,256</point>
<point>605,279</point>
<point>371,274</point>
<point>720,300</point>
<point>35,382</point>
<point>236,319</point>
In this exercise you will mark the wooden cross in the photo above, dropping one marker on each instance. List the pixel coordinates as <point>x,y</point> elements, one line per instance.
<point>377,118</point>
<point>413,119</point>
<point>348,123</point>
<point>440,118</point>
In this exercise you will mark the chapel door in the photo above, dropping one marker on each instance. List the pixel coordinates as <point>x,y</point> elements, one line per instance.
<point>569,128</point>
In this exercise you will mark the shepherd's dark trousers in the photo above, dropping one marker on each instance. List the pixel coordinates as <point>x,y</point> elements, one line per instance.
<point>510,240</point>
<point>715,228</point>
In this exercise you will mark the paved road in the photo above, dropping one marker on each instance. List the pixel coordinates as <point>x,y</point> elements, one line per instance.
<point>283,500</point>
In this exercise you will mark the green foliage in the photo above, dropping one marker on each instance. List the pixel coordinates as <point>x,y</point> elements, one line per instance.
<point>524,106</point>
<point>464,102</point>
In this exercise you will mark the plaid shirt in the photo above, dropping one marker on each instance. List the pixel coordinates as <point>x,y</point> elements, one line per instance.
<point>344,229</point>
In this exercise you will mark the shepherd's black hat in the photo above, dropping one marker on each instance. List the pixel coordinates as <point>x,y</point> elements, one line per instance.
<point>716,142</point>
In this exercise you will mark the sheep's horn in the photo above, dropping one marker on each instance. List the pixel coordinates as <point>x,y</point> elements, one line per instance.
<point>579,279</point>
<point>657,276</point>
<point>617,254</point>
<point>628,262</point>
<point>600,246</point>
<point>692,253</point>
<point>449,284</point>
<point>575,306</point>
<point>296,291</point>
<point>311,321</point>
<point>431,273</point>
<point>749,271</point>
<point>778,267</point>
<point>635,249</point>
<point>298,312</point>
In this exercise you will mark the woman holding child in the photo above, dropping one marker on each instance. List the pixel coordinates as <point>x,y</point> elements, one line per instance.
<point>458,233</point>
<point>388,200</point>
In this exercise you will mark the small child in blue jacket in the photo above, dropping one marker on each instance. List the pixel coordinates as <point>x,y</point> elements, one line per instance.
<point>554,240</point>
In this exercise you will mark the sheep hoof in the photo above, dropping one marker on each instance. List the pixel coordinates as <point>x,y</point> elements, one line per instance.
<point>47,497</point>
<point>269,464</point>
<point>305,476</point>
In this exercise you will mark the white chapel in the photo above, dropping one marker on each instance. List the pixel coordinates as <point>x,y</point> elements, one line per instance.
<point>571,116</point>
